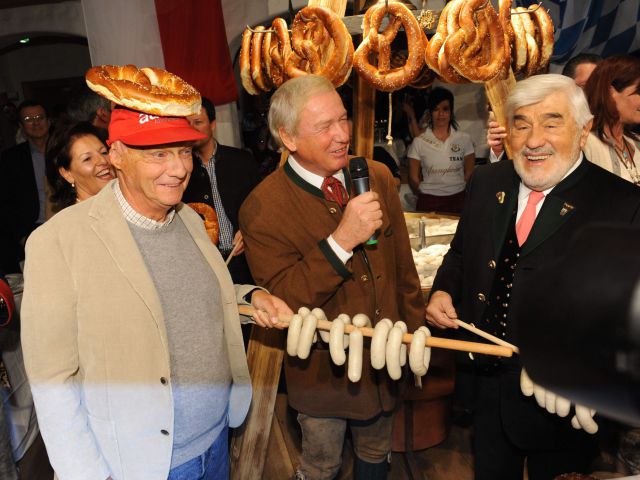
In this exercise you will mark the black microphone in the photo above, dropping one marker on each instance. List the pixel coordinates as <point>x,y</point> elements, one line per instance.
<point>360,178</point>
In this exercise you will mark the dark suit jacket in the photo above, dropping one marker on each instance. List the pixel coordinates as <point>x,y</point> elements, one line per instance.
<point>237,174</point>
<point>19,204</point>
<point>589,194</point>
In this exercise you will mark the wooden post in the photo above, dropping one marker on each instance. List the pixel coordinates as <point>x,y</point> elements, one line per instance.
<point>364,109</point>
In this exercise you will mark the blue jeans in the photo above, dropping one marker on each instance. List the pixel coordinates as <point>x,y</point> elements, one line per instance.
<point>211,465</point>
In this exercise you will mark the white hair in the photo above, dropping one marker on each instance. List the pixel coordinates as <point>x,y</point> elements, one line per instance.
<point>538,87</point>
<point>289,100</point>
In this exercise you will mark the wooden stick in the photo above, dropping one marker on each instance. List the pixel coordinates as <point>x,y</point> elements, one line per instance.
<point>233,252</point>
<point>488,336</point>
<point>437,342</point>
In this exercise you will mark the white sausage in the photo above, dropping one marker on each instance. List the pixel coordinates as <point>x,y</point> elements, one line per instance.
<point>347,321</point>
<point>361,320</point>
<point>584,418</point>
<point>379,343</point>
<point>321,316</point>
<point>550,401</point>
<point>403,347</point>
<point>393,352</point>
<point>416,353</point>
<point>355,356</point>
<point>426,359</point>
<point>303,311</point>
<point>309,324</point>
<point>293,335</point>
<point>540,394</point>
<point>526,385</point>
<point>336,344</point>
<point>563,406</point>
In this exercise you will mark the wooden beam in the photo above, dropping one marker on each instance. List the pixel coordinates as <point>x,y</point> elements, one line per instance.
<point>249,442</point>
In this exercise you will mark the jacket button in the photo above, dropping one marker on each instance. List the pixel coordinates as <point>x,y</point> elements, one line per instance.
<point>164,432</point>
<point>333,211</point>
<point>492,264</point>
<point>206,197</point>
<point>163,380</point>
<point>378,311</point>
<point>364,278</point>
<point>482,297</point>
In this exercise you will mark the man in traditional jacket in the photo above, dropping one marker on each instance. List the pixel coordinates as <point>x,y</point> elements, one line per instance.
<point>304,231</point>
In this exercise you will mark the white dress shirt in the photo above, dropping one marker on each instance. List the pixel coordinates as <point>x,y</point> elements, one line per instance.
<point>316,180</point>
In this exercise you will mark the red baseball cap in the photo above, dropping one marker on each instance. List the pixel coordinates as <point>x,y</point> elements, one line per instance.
<point>140,129</point>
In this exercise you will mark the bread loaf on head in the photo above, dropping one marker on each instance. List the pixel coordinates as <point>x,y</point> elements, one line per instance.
<point>149,90</point>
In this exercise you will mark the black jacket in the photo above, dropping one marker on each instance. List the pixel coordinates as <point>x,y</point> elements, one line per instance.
<point>19,204</point>
<point>589,194</point>
<point>237,174</point>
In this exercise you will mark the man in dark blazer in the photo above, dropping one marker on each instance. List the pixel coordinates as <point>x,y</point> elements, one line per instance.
<point>222,178</point>
<point>520,216</point>
<point>22,185</point>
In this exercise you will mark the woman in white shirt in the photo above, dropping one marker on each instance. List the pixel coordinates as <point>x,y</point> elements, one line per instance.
<point>441,159</point>
<point>613,91</point>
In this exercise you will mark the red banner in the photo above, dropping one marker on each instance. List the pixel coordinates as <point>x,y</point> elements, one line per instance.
<point>194,43</point>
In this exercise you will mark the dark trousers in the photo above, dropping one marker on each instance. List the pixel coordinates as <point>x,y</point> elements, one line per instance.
<point>496,457</point>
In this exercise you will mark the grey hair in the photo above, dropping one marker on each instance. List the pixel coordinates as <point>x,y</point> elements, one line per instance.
<point>289,100</point>
<point>538,87</point>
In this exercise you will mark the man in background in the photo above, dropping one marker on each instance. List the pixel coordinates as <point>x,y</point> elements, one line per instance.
<point>222,178</point>
<point>23,197</point>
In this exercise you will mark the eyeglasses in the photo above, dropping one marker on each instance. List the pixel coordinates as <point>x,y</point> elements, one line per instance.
<point>33,118</point>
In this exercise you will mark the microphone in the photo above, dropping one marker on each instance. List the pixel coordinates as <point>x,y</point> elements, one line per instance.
<point>360,178</point>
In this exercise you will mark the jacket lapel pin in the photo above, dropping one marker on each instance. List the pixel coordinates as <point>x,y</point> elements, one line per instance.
<point>566,208</point>
<point>500,196</point>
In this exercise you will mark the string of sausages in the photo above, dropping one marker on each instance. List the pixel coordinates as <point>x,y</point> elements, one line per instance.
<point>472,43</point>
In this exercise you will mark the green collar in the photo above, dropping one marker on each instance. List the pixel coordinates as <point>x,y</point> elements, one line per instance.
<point>302,183</point>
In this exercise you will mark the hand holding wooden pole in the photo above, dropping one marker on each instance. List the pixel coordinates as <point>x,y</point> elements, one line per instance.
<point>437,342</point>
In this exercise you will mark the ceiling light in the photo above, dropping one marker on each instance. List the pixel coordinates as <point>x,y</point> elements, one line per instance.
<point>25,40</point>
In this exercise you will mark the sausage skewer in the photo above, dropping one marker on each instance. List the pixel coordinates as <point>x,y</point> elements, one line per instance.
<point>437,342</point>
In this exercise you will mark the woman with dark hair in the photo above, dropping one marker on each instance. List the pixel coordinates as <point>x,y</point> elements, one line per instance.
<point>77,164</point>
<point>441,159</point>
<point>613,92</point>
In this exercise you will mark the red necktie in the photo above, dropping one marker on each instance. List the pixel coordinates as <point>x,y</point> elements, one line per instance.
<point>334,191</point>
<point>525,224</point>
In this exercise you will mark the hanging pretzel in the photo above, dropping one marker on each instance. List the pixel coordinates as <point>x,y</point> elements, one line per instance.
<point>434,53</point>
<point>479,50</point>
<point>321,45</point>
<point>279,51</point>
<point>260,80</point>
<point>245,63</point>
<point>383,77</point>
<point>544,34</point>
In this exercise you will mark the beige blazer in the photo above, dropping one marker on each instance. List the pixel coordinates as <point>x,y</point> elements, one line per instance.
<point>95,345</point>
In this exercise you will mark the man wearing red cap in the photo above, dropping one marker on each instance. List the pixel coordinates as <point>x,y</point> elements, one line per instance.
<point>131,333</point>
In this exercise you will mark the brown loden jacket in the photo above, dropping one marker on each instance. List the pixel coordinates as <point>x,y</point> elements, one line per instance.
<point>285,222</point>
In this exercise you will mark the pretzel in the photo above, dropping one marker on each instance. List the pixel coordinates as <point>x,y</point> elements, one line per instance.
<point>426,76</point>
<point>210,219</point>
<point>260,80</point>
<point>383,77</point>
<point>533,52</point>
<point>321,45</point>
<point>277,52</point>
<point>434,53</point>
<point>245,63</point>
<point>545,34</point>
<point>520,44</point>
<point>478,52</point>
<point>149,90</point>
